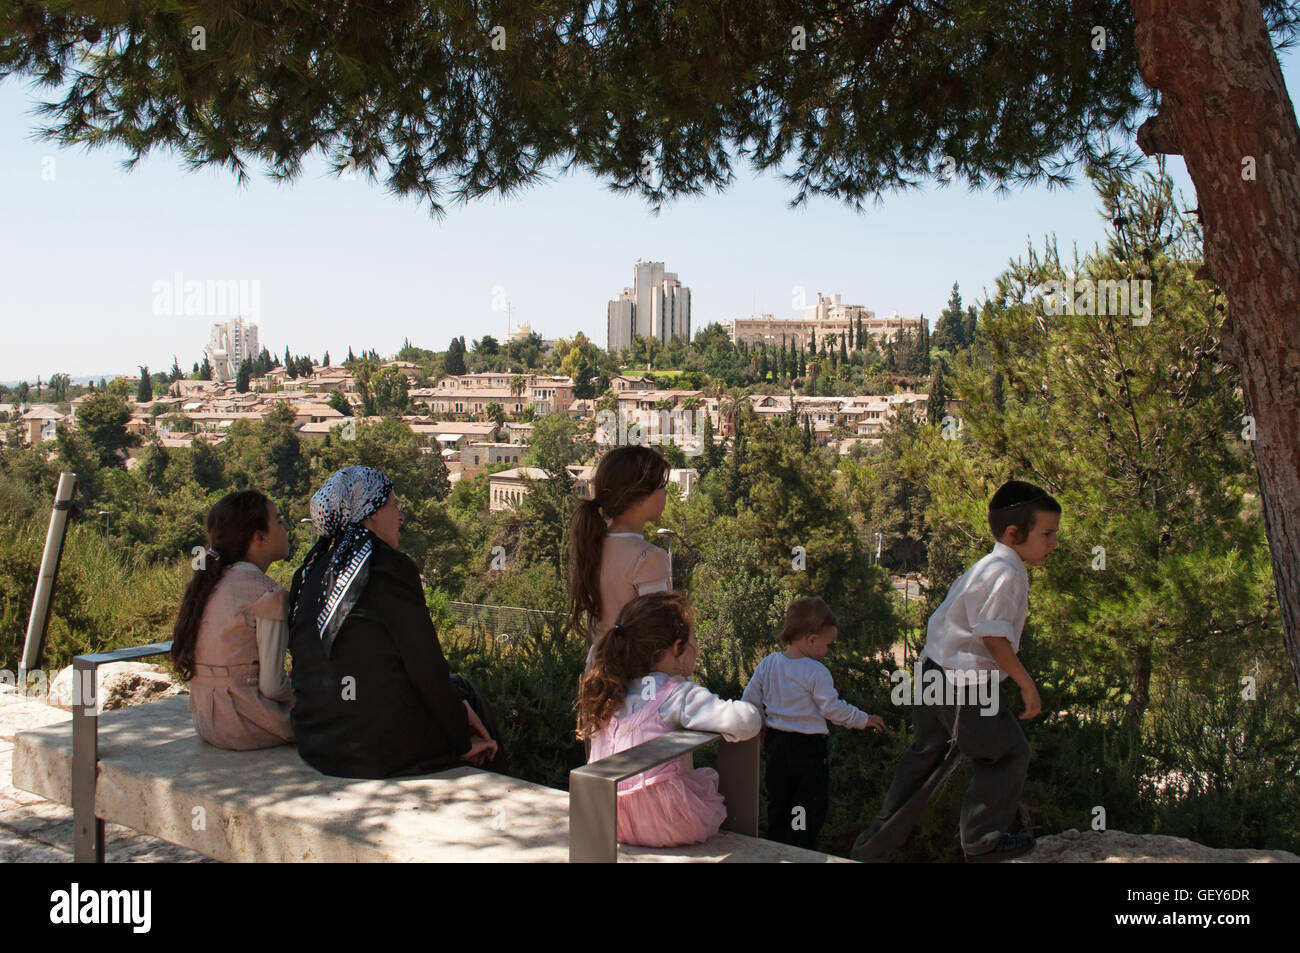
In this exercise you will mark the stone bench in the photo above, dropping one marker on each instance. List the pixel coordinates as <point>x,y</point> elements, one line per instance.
<point>156,776</point>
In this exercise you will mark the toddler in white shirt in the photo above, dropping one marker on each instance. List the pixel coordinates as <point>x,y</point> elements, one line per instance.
<point>798,697</point>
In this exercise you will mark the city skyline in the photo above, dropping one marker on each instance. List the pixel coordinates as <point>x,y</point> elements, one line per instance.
<point>339,263</point>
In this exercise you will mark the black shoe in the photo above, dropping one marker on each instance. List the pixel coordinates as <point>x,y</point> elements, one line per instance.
<point>1008,846</point>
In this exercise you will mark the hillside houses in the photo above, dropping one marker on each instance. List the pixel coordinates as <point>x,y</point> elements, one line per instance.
<point>450,417</point>
<point>854,417</point>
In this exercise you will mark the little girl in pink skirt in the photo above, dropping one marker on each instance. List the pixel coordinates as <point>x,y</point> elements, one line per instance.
<point>638,688</point>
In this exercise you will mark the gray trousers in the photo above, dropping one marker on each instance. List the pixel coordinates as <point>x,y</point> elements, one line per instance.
<point>999,754</point>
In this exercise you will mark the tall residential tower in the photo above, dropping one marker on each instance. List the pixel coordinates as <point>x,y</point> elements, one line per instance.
<point>229,345</point>
<point>656,306</point>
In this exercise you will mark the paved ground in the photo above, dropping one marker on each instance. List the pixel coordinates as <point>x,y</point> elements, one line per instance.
<point>34,830</point>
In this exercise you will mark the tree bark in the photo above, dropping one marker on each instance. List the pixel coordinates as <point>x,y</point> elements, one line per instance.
<point>1225,109</point>
<point>1139,696</point>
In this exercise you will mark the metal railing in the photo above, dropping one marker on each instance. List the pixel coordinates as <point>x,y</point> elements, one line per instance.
<point>87,827</point>
<point>593,789</point>
<point>496,621</point>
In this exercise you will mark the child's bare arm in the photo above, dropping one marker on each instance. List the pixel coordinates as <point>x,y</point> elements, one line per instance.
<point>1007,660</point>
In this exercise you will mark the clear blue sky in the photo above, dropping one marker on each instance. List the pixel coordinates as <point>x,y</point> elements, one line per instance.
<point>342,263</point>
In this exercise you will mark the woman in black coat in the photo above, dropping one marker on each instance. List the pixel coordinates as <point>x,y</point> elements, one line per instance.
<point>373,696</point>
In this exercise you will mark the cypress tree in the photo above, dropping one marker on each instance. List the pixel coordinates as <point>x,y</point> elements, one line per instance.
<point>937,405</point>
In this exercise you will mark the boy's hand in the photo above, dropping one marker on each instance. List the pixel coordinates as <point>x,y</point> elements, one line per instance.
<point>875,723</point>
<point>1033,704</point>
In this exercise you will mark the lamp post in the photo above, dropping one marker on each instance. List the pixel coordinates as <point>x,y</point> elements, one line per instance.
<point>671,536</point>
<point>313,527</point>
<point>104,513</point>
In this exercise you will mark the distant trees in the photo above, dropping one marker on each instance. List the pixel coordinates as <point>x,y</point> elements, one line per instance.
<point>144,391</point>
<point>389,387</point>
<point>267,455</point>
<point>581,362</point>
<point>950,329</point>
<point>340,403</point>
<point>58,385</point>
<point>937,404</point>
<point>244,376</point>
<point>454,362</point>
<point>102,418</point>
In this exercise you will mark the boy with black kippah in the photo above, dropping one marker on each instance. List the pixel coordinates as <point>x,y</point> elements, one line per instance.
<point>973,636</point>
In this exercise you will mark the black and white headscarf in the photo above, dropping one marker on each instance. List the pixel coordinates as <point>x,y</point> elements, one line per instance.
<point>337,511</point>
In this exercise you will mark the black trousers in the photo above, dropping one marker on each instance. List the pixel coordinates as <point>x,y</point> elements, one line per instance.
<point>999,755</point>
<point>798,786</point>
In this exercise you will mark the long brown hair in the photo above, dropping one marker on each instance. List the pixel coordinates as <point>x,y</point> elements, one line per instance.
<point>624,476</point>
<point>231,525</point>
<point>646,627</point>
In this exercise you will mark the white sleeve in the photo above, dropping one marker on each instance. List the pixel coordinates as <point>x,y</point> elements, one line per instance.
<point>993,612</point>
<point>272,644</point>
<point>832,707</point>
<point>695,707</point>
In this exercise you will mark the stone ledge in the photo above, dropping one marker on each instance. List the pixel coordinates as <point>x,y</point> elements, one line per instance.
<point>157,777</point>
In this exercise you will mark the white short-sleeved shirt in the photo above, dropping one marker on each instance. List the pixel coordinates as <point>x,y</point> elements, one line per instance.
<point>798,694</point>
<point>992,598</point>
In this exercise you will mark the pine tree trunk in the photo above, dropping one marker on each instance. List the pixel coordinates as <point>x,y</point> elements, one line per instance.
<point>1225,109</point>
<point>1139,693</point>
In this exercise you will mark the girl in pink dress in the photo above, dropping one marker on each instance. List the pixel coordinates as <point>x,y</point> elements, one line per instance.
<point>638,688</point>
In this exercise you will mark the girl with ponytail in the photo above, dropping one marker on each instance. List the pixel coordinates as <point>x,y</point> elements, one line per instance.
<point>231,632</point>
<point>610,561</point>
<point>637,688</point>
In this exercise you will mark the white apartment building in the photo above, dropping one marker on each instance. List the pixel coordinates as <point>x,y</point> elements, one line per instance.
<point>230,344</point>
<point>827,316</point>
<point>656,306</point>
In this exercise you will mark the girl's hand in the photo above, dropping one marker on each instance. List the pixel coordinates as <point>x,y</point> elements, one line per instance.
<point>481,750</point>
<point>876,723</point>
<point>481,746</point>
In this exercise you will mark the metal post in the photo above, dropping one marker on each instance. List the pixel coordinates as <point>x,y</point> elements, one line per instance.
<point>40,617</point>
<point>593,789</point>
<point>593,820</point>
<point>738,785</point>
<point>87,827</point>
